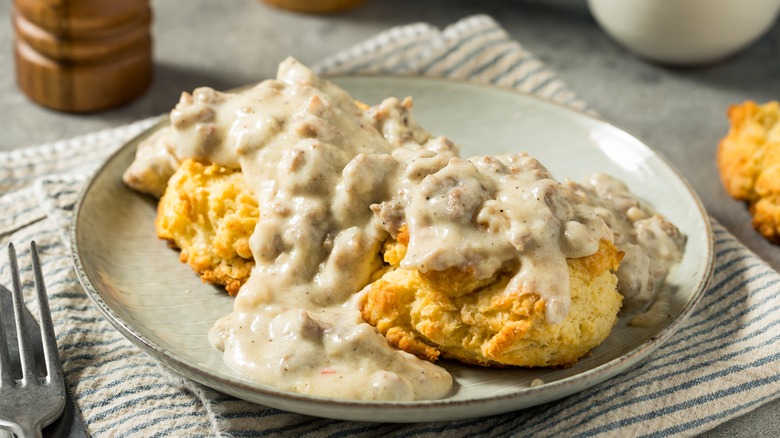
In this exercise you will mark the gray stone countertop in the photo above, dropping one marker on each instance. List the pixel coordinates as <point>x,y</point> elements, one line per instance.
<point>679,112</point>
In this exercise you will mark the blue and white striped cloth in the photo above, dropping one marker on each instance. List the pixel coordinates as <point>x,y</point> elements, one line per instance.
<point>723,362</point>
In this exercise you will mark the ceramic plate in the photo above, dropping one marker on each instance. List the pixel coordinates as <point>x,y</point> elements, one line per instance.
<point>161,305</point>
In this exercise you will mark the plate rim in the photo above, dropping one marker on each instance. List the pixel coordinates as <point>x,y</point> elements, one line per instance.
<point>594,375</point>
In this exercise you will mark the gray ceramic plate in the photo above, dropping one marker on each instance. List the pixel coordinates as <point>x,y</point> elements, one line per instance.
<point>159,303</point>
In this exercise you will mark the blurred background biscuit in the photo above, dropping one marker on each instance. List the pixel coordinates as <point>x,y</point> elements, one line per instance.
<point>749,163</point>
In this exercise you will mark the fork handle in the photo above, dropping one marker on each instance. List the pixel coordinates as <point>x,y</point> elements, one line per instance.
<point>26,429</point>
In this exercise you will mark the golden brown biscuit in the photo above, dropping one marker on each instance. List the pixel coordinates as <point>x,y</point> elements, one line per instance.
<point>209,212</point>
<point>749,163</point>
<point>450,314</point>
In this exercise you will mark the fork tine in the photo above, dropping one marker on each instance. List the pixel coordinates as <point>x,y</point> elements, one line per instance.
<point>6,378</point>
<point>53,368</point>
<point>25,353</point>
<point>31,403</point>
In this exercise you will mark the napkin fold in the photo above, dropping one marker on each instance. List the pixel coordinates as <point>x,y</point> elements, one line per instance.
<point>724,361</point>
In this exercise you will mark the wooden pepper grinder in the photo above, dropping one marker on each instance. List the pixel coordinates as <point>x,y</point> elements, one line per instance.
<point>82,55</point>
<point>315,6</point>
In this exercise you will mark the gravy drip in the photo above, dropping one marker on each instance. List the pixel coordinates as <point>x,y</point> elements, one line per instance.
<point>333,182</point>
<point>486,213</point>
<point>652,244</point>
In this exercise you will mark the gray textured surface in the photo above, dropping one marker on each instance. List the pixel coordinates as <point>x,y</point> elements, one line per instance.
<point>680,112</point>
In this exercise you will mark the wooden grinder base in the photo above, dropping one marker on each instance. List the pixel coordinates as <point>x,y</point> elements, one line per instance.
<point>82,55</point>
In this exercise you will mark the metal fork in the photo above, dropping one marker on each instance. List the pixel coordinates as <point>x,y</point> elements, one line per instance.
<point>34,401</point>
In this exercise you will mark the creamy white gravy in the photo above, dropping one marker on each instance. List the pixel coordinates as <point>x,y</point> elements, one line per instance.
<point>651,244</point>
<point>334,181</point>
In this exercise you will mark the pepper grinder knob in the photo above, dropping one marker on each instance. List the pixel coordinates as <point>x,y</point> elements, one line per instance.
<point>82,55</point>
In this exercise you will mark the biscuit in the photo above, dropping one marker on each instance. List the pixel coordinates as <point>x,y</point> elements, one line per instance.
<point>749,163</point>
<point>209,213</point>
<point>452,315</point>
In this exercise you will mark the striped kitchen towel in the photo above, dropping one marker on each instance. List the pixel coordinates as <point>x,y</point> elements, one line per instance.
<point>724,361</point>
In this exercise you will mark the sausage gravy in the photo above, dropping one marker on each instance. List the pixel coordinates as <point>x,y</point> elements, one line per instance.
<point>334,180</point>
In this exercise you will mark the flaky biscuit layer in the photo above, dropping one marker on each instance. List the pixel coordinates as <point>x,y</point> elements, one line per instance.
<point>452,315</point>
<point>208,212</point>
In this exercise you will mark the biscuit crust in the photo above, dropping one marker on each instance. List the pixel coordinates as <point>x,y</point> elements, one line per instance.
<point>749,163</point>
<point>450,314</point>
<point>209,213</point>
